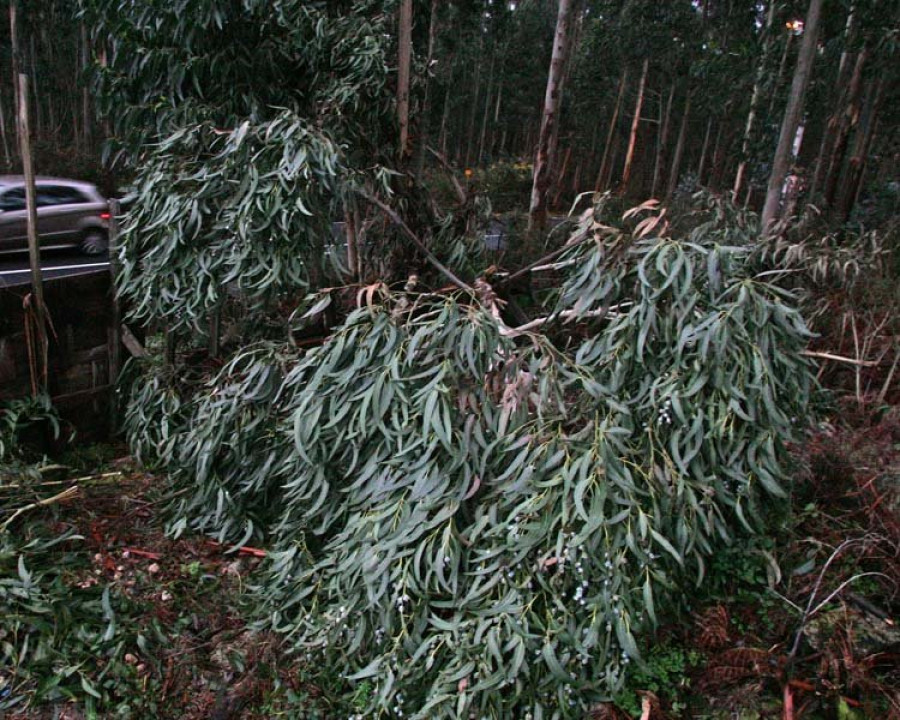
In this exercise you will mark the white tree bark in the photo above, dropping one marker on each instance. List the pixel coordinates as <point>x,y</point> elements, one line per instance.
<point>543,162</point>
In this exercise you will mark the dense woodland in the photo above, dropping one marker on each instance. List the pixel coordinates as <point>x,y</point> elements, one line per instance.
<point>542,354</point>
<point>707,81</point>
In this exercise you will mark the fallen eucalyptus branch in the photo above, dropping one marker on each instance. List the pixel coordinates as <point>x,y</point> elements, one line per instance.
<point>542,261</point>
<point>566,316</point>
<point>397,220</point>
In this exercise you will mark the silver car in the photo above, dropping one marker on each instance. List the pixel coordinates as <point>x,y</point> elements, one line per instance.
<point>69,214</point>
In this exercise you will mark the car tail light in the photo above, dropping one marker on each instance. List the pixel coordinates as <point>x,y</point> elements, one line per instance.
<point>105,216</point>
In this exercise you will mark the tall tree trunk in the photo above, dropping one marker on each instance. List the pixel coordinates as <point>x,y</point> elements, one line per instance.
<point>555,173</point>
<point>754,105</point>
<point>792,114</point>
<point>403,71</point>
<point>781,67</point>
<point>487,112</point>
<point>661,139</point>
<point>492,144</point>
<point>6,155</point>
<point>576,176</point>
<point>604,163</point>
<point>476,92</point>
<point>714,155</point>
<point>543,159</point>
<point>85,90</point>
<point>15,55</point>
<point>38,129</point>
<point>560,180</point>
<point>38,384</point>
<point>719,158</point>
<point>837,102</point>
<point>861,147</point>
<point>679,149</point>
<point>635,125</point>
<point>426,102</point>
<point>848,119</point>
<point>445,116</point>
<point>704,152</point>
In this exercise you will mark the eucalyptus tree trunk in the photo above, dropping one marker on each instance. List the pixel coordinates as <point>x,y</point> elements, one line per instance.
<point>848,118</point>
<point>38,380</point>
<point>560,178</point>
<point>837,101</point>
<point>720,156</point>
<point>38,128</point>
<point>781,67</point>
<point>445,115</point>
<point>15,53</point>
<point>6,155</point>
<point>607,149</point>
<point>85,91</point>
<point>576,176</point>
<point>403,71</point>
<point>754,106</point>
<point>679,149</point>
<point>635,125</point>
<point>556,174</point>
<point>487,112</point>
<point>704,152</point>
<point>792,113</point>
<point>492,145</point>
<point>476,93</point>
<point>661,139</point>
<point>716,148</point>
<point>543,159</point>
<point>856,167</point>
<point>426,101</point>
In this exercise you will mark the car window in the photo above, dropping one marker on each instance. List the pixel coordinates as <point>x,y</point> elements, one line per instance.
<point>13,199</point>
<point>58,195</point>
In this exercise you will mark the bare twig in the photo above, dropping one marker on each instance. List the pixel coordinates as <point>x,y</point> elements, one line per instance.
<point>890,378</point>
<point>540,262</point>
<point>397,220</point>
<point>86,480</point>
<point>840,358</point>
<point>67,494</point>
<point>812,606</point>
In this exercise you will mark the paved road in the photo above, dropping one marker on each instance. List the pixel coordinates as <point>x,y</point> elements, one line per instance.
<point>14,267</point>
<point>59,263</point>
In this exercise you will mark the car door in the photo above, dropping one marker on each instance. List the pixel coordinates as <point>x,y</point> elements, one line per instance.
<point>66,212</point>
<point>13,228</point>
<point>54,210</point>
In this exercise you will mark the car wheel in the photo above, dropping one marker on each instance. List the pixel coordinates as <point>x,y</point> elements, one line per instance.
<point>94,242</point>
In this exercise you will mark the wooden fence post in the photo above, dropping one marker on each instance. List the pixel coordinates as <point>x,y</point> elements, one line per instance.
<point>115,329</point>
<point>39,377</point>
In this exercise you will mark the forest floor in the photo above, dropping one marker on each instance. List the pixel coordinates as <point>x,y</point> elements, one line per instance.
<point>189,652</point>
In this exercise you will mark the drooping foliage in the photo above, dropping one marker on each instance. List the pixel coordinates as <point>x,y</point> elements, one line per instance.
<point>470,517</point>
<point>467,511</point>
<point>247,125</point>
